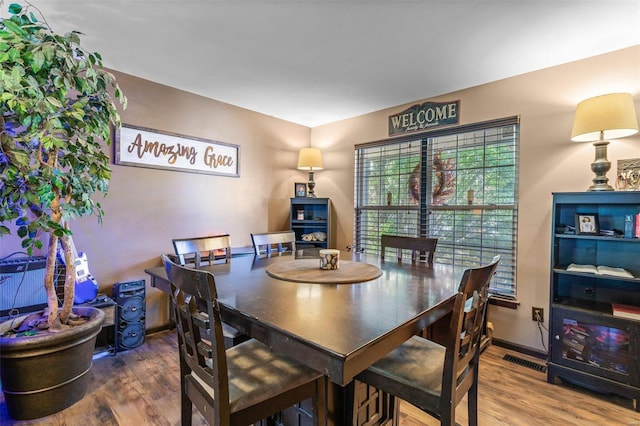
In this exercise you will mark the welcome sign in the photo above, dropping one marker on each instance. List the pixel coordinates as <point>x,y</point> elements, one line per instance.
<point>138,146</point>
<point>424,116</point>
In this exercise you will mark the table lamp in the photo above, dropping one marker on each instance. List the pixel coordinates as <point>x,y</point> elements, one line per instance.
<point>608,116</point>
<point>310,159</point>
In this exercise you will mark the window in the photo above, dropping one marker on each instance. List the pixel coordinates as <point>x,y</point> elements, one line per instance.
<point>466,196</point>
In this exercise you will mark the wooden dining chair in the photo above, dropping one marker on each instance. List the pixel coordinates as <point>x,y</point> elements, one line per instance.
<point>274,242</point>
<point>417,245</point>
<point>203,250</point>
<point>433,377</point>
<point>235,386</point>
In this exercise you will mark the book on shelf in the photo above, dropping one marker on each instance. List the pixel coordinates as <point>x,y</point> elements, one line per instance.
<point>599,270</point>
<point>626,311</point>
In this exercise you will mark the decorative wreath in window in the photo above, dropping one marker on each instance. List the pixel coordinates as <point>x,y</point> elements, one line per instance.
<point>444,180</point>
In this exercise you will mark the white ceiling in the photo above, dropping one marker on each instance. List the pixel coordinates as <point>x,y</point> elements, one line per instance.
<point>314,62</point>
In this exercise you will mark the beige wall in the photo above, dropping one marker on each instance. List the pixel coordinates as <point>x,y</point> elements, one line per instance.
<point>146,208</point>
<point>549,162</point>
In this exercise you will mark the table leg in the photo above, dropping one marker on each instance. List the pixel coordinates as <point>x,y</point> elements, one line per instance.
<point>356,404</point>
<point>165,287</point>
<point>359,404</point>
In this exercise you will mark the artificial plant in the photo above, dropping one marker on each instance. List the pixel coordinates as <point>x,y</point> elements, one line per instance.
<point>56,112</point>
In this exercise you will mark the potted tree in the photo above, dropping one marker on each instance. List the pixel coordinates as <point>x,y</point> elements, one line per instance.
<point>56,111</point>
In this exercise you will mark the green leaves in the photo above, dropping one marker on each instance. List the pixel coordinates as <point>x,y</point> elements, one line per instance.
<point>14,27</point>
<point>38,61</point>
<point>56,101</point>
<point>15,8</point>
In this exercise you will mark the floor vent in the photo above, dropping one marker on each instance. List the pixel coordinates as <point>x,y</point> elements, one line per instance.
<point>525,363</point>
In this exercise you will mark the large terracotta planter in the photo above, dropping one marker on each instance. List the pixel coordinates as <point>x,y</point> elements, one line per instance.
<point>42,375</point>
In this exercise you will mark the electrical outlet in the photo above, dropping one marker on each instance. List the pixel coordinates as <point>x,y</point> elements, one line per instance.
<point>537,314</point>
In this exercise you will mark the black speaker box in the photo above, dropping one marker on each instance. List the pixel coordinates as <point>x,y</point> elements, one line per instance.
<point>130,308</point>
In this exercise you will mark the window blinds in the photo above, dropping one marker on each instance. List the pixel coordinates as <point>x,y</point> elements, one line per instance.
<point>466,196</point>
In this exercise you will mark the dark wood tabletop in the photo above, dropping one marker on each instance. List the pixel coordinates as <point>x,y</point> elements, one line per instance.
<point>338,329</point>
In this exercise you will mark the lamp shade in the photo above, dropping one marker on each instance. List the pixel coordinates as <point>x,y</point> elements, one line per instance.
<point>614,115</point>
<point>310,159</point>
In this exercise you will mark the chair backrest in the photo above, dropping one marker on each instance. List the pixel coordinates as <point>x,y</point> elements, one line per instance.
<point>415,244</point>
<point>203,249</point>
<point>465,332</point>
<point>199,326</point>
<point>269,242</point>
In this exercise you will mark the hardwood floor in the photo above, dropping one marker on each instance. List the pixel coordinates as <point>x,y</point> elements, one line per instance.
<point>141,387</point>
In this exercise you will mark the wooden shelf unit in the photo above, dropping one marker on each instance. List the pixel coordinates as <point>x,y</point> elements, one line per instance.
<point>588,345</point>
<point>316,217</point>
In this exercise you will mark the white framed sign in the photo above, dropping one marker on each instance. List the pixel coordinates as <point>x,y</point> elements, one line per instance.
<point>142,147</point>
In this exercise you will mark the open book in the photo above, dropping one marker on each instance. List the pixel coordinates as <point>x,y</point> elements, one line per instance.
<point>599,270</point>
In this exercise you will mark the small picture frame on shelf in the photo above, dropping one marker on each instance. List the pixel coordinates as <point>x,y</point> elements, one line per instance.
<point>300,189</point>
<point>587,224</point>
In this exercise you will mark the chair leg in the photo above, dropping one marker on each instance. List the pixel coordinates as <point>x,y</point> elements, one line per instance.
<point>472,394</point>
<point>186,408</point>
<point>394,409</point>
<point>320,403</point>
<point>448,415</point>
<point>270,421</point>
<point>472,405</point>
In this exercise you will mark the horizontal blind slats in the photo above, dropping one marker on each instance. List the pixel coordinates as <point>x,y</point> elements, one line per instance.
<point>472,185</point>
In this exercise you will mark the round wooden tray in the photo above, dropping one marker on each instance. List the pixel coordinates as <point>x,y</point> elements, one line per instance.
<point>308,271</point>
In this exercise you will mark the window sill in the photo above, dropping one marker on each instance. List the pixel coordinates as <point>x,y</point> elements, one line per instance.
<point>503,302</point>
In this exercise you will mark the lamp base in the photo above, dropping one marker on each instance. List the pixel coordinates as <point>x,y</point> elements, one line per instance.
<point>600,167</point>
<point>600,187</point>
<point>311,185</point>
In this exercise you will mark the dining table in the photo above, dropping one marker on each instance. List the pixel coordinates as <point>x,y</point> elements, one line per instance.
<point>338,322</point>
